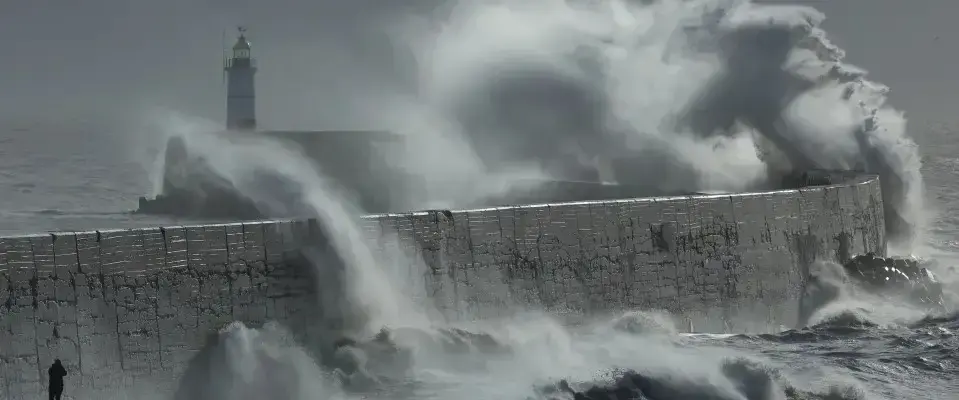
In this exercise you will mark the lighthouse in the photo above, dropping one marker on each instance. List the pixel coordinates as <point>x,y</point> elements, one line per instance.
<point>353,159</point>
<point>240,90</point>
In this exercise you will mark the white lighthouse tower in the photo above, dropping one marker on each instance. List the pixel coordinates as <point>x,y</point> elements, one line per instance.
<point>240,92</point>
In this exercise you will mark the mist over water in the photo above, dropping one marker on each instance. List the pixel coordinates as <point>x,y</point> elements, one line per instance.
<point>711,95</point>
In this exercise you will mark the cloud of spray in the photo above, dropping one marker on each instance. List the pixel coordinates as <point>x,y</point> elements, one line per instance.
<point>247,162</point>
<point>492,95</point>
<point>243,363</point>
<point>492,359</point>
<point>239,361</point>
<point>612,90</point>
<point>549,89</point>
<point>832,297</point>
<point>943,264</point>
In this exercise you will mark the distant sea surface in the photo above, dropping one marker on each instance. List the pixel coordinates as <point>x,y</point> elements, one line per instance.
<point>73,180</point>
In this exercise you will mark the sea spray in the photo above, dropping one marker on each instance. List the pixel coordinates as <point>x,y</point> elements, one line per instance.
<point>539,343</point>
<point>240,159</point>
<point>612,90</point>
<point>540,349</point>
<point>502,93</point>
<point>239,362</point>
<point>832,297</point>
<point>526,85</point>
<point>449,174</point>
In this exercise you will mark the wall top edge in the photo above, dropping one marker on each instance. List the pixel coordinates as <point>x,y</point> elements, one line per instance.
<point>858,180</point>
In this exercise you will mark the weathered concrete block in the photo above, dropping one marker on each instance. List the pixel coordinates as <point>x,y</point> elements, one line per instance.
<point>216,253</point>
<point>206,247</point>
<point>118,251</point>
<point>65,253</point>
<point>253,238</point>
<point>4,262</point>
<point>43,255</point>
<point>22,378</point>
<point>196,246</point>
<point>88,252</point>
<point>178,295</point>
<point>608,257</point>
<point>235,243</point>
<point>176,252</point>
<point>18,252</point>
<point>273,241</point>
<point>213,302</point>
<point>153,241</point>
<point>429,231</point>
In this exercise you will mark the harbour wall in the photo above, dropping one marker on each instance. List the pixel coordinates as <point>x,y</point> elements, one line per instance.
<point>126,310</point>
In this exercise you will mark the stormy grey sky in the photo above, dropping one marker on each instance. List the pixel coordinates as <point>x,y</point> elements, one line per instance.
<point>100,57</point>
<point>110,58</point>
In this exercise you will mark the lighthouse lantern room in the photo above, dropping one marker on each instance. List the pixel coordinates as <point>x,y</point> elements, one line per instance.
<point>240,69</point>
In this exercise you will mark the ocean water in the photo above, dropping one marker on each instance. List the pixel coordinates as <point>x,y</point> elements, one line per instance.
<point>57,176</point>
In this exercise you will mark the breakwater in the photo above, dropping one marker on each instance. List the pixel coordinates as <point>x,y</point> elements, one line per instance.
<point>128,309</point>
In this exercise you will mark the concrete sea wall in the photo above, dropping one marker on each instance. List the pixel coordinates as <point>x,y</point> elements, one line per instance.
<point>127,309</point>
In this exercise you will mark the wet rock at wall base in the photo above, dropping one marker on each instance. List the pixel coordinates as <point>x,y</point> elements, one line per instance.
<point>896,276</point>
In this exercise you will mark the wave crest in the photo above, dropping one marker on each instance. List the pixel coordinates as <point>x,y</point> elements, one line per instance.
<point>736,378</point>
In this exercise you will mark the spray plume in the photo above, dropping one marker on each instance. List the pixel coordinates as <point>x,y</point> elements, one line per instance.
<point>610,91</point>
<point>712,95</point>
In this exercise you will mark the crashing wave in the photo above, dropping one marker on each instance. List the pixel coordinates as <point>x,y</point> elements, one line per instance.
<point>775,58</point>
<point>238,363</point>
<point>869,291</point>
<point>688,94</point>
<point>736,378</point>
<point>900,277</point>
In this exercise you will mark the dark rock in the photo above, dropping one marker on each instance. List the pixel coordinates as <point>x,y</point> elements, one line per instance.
<point>903,277</point>
<point>738,378</point>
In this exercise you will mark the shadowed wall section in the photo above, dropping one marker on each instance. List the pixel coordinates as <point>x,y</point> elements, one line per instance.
<point>126,310</point>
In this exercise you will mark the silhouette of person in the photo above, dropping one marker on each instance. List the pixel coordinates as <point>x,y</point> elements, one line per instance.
<point>56,372</point>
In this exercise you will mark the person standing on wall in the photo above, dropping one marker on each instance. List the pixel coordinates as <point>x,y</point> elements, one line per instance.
<point>56,372</point>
